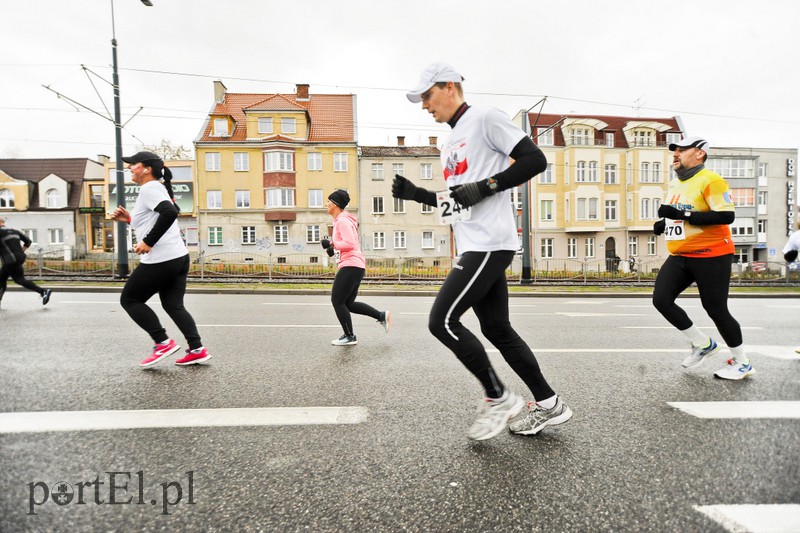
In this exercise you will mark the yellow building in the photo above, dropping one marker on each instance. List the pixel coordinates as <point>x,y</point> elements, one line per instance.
<point>266,164</point>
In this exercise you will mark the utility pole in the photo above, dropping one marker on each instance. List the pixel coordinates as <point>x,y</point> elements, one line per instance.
<point>526,279</point>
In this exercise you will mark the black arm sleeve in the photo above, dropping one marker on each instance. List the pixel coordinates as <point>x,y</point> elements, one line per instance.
<point>528,162</point>
<point>424,196</point>
<point>167,213</point>
<point>709,218</point>
<point>24,238</point>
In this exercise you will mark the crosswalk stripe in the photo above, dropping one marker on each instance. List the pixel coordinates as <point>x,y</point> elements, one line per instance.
<point>739,410</point>
<point>282,326</point>
<point>42,421</point>
<point>754,518</point>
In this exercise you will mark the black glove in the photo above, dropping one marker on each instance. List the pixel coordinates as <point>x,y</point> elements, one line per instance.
<point>790,256</point>
<point>330,251</point>
<point>668,211</point>
<point>325,243</point>
<point>470,193</point>
<point>402,188</point>
<point>659,226</point>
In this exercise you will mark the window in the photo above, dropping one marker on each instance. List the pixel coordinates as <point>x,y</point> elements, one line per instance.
<point>609,140</point>
<point>314,160</point>
<point>580,171</point>
<point>215,235</point>
<point>56,235</point>
<point>762,198</point>
<point>611,210</point>
<point>220,127</point>
<point>313,233</point>
<point>32,235</point>
<point>399,205</point>
<point>593,171</point>
<point>651,245</point>
<point>743,197</point>
<point>248,234</point>
<point>743,227</point>
<point>280,197</point>
<point>643,138</point>
<point>53,197</point>
<point>547,175</point>
<point>427,239</point>
<point>278,161</point>
<point>673,138</point>
<point>377,205</point>
<point>544,136</point>
<point>425,171</point>
<point>581,207</point>
<point>567,213</point>
<point>655,203</point>
<point>6,198</point>
<point>762,226</point>
<point>212,162</point>
<point>611,174</point>
<point>288,125</point>
<point>656,172</point>
<point>762,170</point>
<point>281,234</point>
<point>644,212</point>
<point>589,247</point>
<point>547,248</point>
<point>426,209</point>
<point>579,136</point>
<point>214,199</point>
<point>265,125</point>
<point>399,240</point>
<point>741,255</point>
<point>516,198</point>
<point>633,245</point>
<point>732,168</point>
<point>397,168</point>
<point>572,247</point>
<point>546,210</point>
<point>242,199</point>
<point>644,173</point>
<point>241,161</point>
<point>378,240</point>
<point>340,162</point>
<point>315,198</point>
<point>592,208</point>
<point>377,171</point>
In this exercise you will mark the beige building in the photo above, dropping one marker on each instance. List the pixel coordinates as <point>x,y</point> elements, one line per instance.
<point>266,164</point>
<point>394,228</point>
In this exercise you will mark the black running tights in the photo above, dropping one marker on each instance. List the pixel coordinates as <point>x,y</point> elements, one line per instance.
<point>479,282</point>
<point>343,298</point>
<point>712,276</point>
<point>168,279</point>
<point>17,273</point>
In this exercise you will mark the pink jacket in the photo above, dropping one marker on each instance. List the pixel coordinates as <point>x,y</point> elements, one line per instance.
<point>345,240</point>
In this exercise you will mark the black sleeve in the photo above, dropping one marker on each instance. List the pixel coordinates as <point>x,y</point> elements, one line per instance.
<point>709,218</point>
<point>528,162</point>
<point>790,256</point>
<point>167,213</point>
<point>424,196</point>
<point>24,238</point>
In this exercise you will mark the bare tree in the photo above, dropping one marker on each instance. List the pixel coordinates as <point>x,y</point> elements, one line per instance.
<point>169,152</point>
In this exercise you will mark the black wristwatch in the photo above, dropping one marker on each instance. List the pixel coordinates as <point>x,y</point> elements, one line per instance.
<point>492,184</point>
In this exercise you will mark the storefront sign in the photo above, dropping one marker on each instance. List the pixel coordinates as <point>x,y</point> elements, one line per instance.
<point>790,204</point>
<point>184,196</point>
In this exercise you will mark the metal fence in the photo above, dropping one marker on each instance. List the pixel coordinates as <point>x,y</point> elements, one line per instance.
<point>59,263</point>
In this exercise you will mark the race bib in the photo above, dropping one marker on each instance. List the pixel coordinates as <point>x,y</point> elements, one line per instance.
<point>674,230</point>
<point>450,211</point>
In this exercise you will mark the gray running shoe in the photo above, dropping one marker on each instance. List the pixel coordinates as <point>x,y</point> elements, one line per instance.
<point>386,321</point>
<point>345,340</point>
<point>538,418</point>
<point>699,355</point>
<point>493,416</point>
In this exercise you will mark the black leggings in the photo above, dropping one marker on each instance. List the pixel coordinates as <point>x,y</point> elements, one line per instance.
<point>168,279</point>
<point>479,282</point>
<point>343,298</point>
<point>17,273</point>
<point>713,277</point>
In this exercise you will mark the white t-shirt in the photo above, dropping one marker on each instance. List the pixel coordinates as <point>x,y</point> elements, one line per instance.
<point>143,218</point>
<point>793,243</point>
<point>478,148</point>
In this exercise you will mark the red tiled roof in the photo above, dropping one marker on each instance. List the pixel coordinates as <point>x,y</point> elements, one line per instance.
<point>399,151</point>
<point>332,116</point>
<point>616,124</point>
<point>71,170</point>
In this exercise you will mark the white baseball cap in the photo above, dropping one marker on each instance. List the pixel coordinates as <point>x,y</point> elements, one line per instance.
<point>435,73</point>
<point>691,142</point>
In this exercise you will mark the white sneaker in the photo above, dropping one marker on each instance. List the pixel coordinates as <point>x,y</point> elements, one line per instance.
<point>736,370</point>
<point>345,340</point>
<point>493,416</point>
<point>386,321</point>
<point>699,355</point>
<point>539,418</point>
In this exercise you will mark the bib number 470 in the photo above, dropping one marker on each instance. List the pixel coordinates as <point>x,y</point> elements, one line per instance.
<point>674,230</point>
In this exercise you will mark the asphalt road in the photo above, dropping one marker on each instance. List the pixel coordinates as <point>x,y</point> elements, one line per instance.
<point>627,461</point>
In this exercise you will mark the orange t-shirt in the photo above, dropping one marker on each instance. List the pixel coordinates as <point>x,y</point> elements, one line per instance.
<point>705,191</point>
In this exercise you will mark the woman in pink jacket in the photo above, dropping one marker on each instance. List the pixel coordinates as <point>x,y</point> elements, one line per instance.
<point>352,266</point>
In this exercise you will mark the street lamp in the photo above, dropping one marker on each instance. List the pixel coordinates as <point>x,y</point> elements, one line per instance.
<point>122,230</point>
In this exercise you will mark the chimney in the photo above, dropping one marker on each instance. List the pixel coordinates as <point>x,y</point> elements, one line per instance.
<point>302,91</point>
<point>432,141</point>
<point>401,140</point>
<point>219,91</point>
<point>103,159</point>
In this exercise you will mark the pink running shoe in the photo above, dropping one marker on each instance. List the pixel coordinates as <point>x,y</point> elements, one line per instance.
<point>194,357</point>
<point>160,351</point>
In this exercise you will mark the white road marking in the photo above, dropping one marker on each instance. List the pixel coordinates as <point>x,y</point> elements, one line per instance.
<point>327,304</point>
<point>671,327</point>
<point>38,422</point>
<point>752,518</point>
<point>114,302</point>
<point>738,410</point>
<point>787,353</point>
<point>287,326</point>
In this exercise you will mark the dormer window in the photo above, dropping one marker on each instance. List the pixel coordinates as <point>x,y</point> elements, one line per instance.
<point>643,138</point>
<point>265,125</point>
<point>54,199</point>
<point>6,198</point>
<point>579,136</point>
<point>288,125</point>
<point>220,127</point>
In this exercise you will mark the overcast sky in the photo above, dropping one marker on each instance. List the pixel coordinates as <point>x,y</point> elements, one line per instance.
<point>728,68</point>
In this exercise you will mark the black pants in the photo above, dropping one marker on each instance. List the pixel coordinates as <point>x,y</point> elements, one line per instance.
<point>479,282</point>
<point>713,277</point>
<point>17,273</point>
<point>168,279</point>
<point>343,298</point>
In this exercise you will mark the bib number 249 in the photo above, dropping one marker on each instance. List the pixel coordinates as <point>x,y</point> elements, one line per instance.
<point>449,210</point>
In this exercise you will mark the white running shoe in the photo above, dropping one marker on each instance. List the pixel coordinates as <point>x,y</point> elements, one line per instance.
<point>735,370</point>
<point>699,355</point>
<point>345,340</point>
<point>386,321</point>
<point>539,418</point>
<point>493,416</point>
